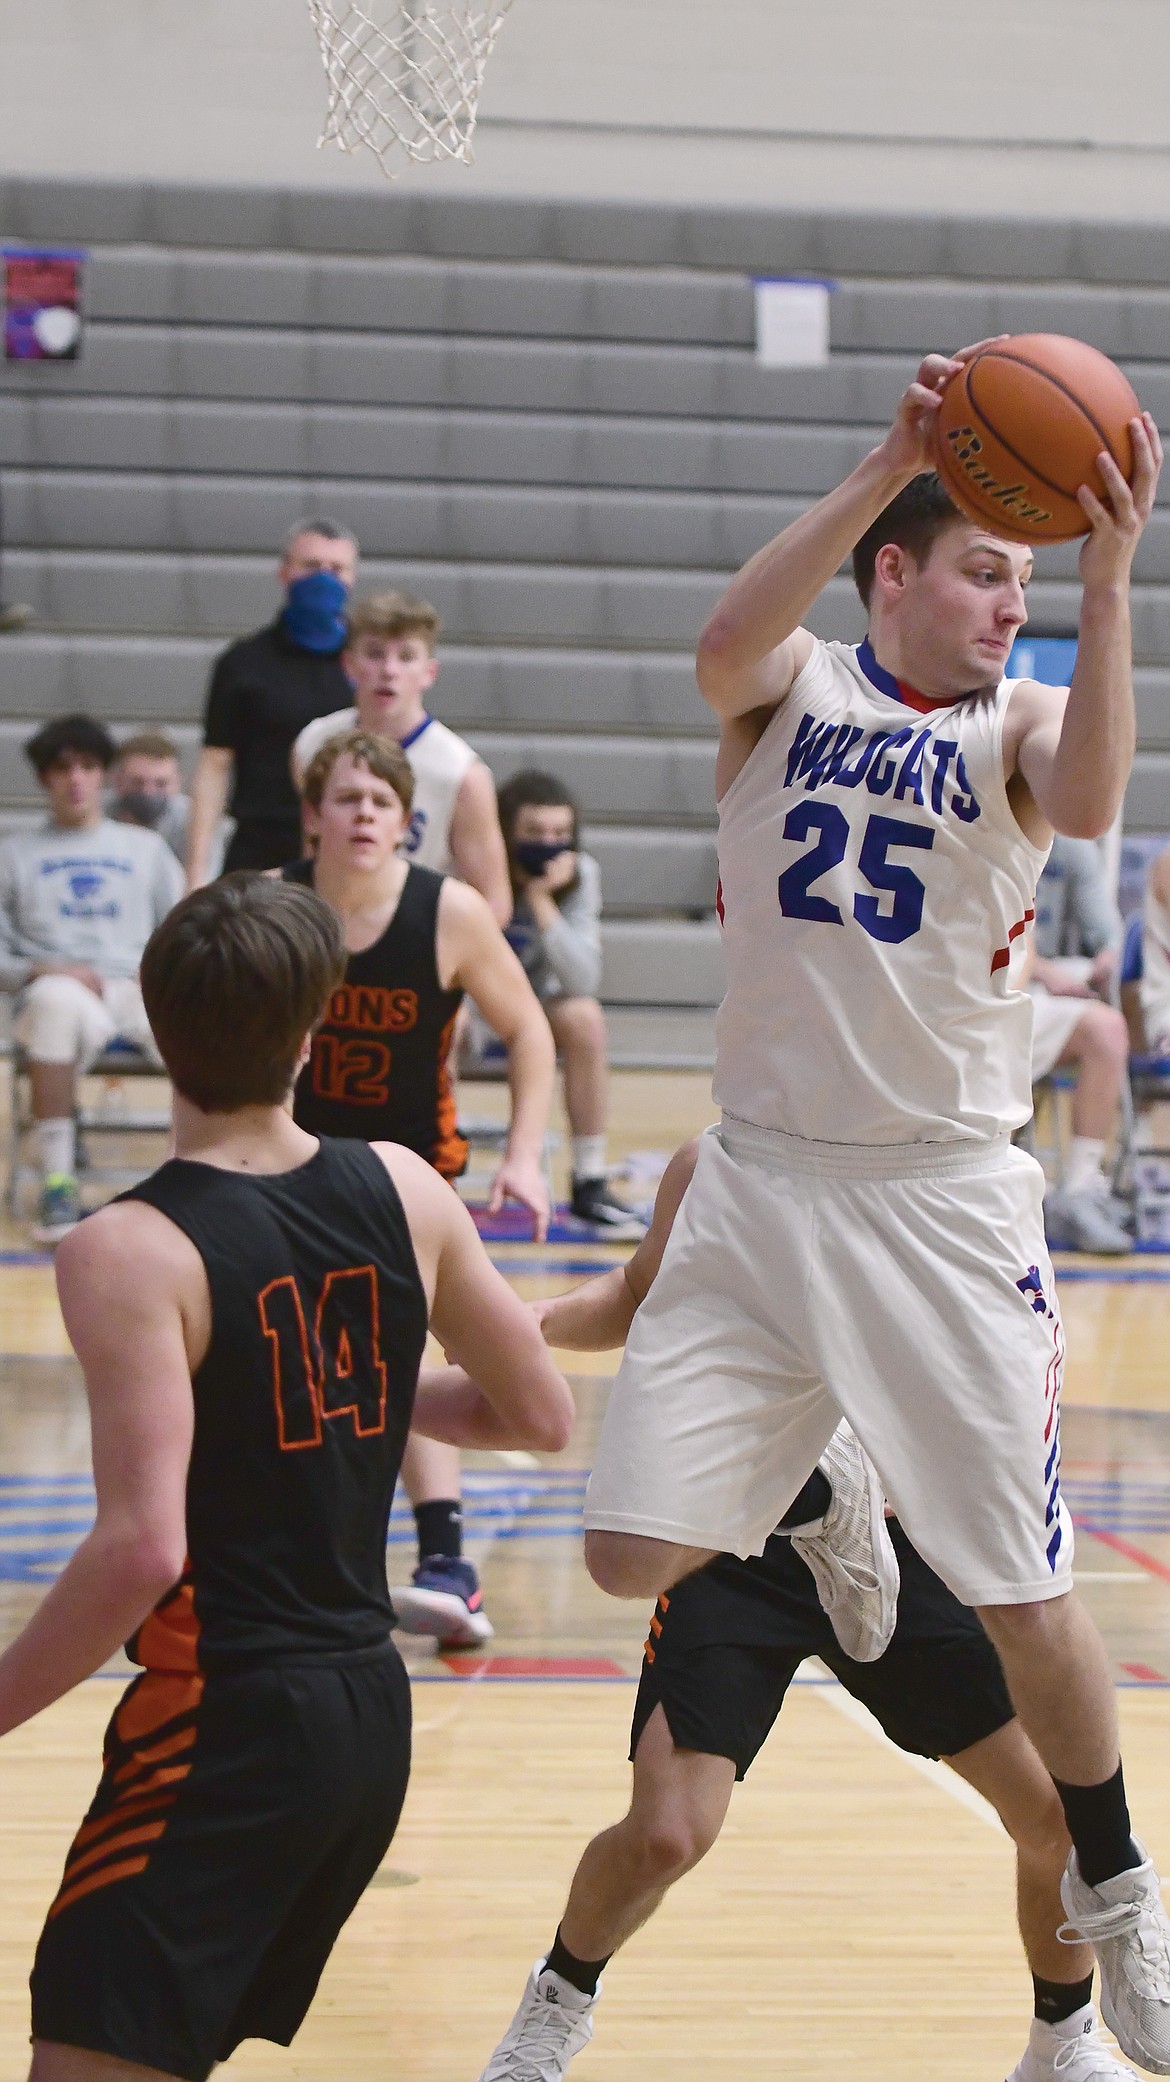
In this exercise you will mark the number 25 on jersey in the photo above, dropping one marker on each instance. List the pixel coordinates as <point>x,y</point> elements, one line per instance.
<point>893,912</point>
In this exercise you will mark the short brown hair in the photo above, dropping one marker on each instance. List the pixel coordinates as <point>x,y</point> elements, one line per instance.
<point>914,520</point>
<point>233,980</point>
<point>393,614</point>
<point>383,755</point>
<point>148,744</point>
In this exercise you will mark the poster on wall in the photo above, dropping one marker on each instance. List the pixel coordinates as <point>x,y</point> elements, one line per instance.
<point>42,303</point>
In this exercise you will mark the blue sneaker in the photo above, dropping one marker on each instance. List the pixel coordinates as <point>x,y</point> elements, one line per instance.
<point>443,1599</point>
<point>60,1209</point>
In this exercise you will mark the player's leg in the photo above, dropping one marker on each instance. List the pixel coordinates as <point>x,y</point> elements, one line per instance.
<point>1079,1214</point>
<point>939,1691</point>
<point>579,1031</point>
<point>1063,2044</point>
<point>61,1024</point>
<point>73,2064</point>
<point>715,1419</point>
<point>948,1364</point>
<point>443,1597</point>
<point>701,1715</point>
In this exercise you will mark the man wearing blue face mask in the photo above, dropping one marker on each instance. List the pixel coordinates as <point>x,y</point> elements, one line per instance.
<point>264,690</point>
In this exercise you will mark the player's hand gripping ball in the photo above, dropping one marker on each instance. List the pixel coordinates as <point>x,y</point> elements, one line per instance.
<point>1020,428</point>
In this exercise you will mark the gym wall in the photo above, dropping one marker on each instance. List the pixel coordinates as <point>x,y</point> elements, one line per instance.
<point>1025,107</point>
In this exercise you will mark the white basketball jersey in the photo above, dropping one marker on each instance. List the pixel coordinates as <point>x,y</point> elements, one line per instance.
<point>439,761</point>
<point>875,887</point>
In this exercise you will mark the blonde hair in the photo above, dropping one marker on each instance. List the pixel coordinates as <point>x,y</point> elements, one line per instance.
<point>383,756</point>
<point>393,614</point>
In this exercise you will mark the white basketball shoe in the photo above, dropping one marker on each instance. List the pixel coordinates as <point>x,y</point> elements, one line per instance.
<point>1125,1921</point>
<point>1071,2051</point>
<point>851,1554</point>
<point>553,2022</point>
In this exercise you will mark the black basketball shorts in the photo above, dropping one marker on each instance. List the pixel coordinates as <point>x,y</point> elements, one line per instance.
<point>726,1643</point>
<point>237,1823</point>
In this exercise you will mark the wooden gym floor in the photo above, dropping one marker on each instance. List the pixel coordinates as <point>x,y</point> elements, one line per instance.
<point>856,1915</point>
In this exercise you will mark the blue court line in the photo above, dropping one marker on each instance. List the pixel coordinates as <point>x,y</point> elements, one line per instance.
<point>530,1268</point>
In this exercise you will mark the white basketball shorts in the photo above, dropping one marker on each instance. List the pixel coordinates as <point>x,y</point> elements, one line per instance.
<point>907,1289</point>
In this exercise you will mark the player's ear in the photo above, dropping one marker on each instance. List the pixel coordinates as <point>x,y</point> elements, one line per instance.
<point>434,671</point>
<point>890,567</point>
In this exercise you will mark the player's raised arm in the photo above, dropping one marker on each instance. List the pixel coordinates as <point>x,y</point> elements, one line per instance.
<point>473,953</point>
<point>1075,753</point>
<point>131,1337</point>
<point>596,1315</point>
<point>753,645</point>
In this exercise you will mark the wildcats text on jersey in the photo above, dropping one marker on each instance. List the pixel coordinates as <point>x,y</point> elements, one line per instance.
<point>907,764</point>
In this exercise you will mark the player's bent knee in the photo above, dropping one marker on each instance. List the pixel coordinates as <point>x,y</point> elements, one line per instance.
<point>1019,1628</point>
<point>670,1845</point>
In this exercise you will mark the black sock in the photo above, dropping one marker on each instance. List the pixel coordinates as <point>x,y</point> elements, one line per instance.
<point>1056,2000</point>
<point>1098,1822</point>
<point>813,1502</point>
<point>582,1974</point>
<point>440,1528</point>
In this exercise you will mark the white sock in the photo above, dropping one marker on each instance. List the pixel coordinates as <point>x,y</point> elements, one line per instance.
<point>1082,1171</point>
<point>57,1146</point>
<point>588,1156</point>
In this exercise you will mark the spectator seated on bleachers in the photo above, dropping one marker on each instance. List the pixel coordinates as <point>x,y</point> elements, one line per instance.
<point>556,932</point>
<point>1154,983</point>
<point>1074,958</point>
<point>79,898</point>
<point>146,787</point>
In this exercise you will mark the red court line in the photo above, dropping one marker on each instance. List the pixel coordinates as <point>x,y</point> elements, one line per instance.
<point>1143,1673</point>
<point>1124,1547</point>
<point>532,1666</point>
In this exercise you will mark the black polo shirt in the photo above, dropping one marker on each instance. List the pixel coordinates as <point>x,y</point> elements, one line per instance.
<point>263,691</point>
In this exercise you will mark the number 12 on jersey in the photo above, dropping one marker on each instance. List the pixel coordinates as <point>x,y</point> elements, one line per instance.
<point>895,913</point>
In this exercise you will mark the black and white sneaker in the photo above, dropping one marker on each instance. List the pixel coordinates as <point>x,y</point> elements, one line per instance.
<point>593,1202</point>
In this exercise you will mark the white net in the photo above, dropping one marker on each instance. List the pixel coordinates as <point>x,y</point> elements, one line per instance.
<point>404,75</point>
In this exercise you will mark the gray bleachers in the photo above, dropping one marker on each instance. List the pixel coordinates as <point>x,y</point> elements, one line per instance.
<point>547,418</point>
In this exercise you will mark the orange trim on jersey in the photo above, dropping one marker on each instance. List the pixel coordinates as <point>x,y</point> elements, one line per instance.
<point>655,1625</point>
<point>353,1409</point>
<point>167,1645</point>
<point>450,1154</point>
<point>648,1651</point>
<point>157,1781</point>
<point>127,1805</point>
<point>122,1840</point>
<point>272,1333</point>
<point>158,1753</point>
<point>161,1695</point>
<point>1003,955</point>
<point>123,1871</point>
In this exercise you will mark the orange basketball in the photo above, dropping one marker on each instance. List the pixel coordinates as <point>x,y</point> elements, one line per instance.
<point>1021,426</point>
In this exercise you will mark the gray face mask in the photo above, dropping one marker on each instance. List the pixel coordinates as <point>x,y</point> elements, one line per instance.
<point>140,806</point>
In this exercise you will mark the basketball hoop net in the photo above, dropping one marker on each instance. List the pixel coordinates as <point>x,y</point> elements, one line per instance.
<point>404,75</point>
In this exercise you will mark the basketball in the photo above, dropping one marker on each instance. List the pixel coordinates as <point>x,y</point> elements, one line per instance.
<point>1021,426</point>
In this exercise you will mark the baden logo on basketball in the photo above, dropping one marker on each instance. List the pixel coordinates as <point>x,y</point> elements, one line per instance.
<point>966,448</point>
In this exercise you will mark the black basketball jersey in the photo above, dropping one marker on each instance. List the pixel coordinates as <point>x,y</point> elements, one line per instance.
<point>302,1407</point>
<point>379,1065</point>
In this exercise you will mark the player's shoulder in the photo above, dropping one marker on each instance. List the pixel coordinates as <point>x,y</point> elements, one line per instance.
<point>432,1208</point>
<point>125,1232</point>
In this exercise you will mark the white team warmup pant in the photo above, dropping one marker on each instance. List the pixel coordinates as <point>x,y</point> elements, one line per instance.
<point>906,1288</point>
<point>60,1020</point>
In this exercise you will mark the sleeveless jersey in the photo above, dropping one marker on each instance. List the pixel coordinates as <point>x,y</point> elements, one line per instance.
<point>379,1067</point>
<point>302,1406</point>
<point>439,761</point>
<point>875,887</point>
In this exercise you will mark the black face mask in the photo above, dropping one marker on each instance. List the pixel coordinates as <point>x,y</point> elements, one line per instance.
<point>140,806</point>
<point>533,855</point>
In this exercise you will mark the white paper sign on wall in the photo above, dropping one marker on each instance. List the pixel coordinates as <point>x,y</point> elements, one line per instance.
<point>792,323</point>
